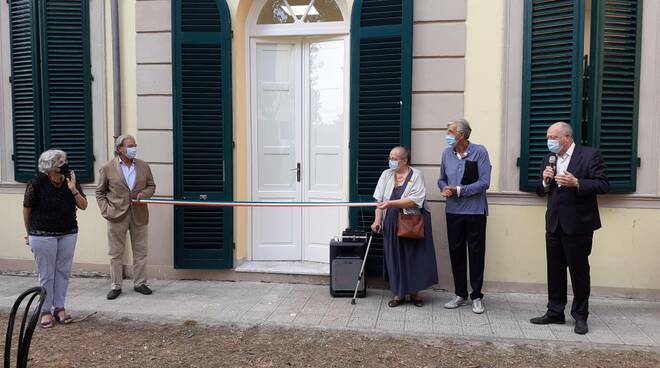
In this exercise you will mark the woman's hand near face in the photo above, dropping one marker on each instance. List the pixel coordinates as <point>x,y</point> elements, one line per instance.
<point>71,182</point>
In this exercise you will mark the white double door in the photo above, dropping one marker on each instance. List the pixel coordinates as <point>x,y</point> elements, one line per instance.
<point>298,145</point>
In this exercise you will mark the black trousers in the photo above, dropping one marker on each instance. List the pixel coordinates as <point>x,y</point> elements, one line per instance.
<point>570,251</point>
<point>467,232</point>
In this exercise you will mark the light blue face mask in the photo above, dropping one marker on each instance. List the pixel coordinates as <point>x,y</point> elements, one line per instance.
<point>554,146</point>
<point>394,164</point>
<point>131,152</point>
<point>451,140</point>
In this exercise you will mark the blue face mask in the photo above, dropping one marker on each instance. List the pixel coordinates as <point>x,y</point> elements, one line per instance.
<point>451,140</point>
<point>554,146</point>
<point>394,165</point>
<point>131,152</point>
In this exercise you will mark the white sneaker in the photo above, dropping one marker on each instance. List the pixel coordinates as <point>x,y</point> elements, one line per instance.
<point>456,302</point>
<point>478,306</point>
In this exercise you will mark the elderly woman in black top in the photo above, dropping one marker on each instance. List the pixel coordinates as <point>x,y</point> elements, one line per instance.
<point>49,212</point>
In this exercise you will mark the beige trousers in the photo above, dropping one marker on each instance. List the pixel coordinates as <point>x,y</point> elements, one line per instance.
<point>117,244</point>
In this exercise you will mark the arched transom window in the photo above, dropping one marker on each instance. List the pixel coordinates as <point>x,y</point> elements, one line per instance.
<point>299,11</point>
<point>288,17</point>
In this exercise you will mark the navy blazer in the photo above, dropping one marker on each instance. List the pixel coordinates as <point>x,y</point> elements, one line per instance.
<point>576,210</point>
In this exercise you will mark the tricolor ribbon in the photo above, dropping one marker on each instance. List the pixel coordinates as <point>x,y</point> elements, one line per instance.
<point>204,203</point>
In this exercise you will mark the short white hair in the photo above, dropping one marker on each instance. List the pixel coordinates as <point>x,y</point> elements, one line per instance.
<point>565,128</point>
<point>48,159</point>
<point>119,142</point>
<point>462,126</point>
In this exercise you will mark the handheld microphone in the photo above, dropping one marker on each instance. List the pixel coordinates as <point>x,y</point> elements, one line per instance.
<point>552,162</point>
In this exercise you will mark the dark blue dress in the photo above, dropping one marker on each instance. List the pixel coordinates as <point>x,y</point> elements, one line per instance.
<point>409,263</point>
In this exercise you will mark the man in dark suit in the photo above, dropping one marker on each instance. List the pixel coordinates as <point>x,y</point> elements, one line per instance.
<point>571,177</point>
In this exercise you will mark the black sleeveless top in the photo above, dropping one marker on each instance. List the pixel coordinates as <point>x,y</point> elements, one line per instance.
<point>53,209</point>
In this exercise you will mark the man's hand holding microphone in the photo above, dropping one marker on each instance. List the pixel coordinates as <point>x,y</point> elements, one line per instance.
<point>549,172</point>
<point>565,179</point>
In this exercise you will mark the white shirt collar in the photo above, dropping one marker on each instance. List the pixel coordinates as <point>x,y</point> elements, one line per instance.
<point>569,153</point>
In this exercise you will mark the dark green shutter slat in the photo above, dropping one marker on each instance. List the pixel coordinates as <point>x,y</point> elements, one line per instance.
<point>26,95</point>
<point>614,76</point>
<point>66,83</point>
<point>381,95</point>
<point>202,132</point>
<point>552,78</point>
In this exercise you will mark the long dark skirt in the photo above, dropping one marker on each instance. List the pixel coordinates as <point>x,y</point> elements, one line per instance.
<point>409,263</point>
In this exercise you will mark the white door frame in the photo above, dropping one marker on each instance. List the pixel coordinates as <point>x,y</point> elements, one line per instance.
<point>337,29</point>
<point>251,96</point>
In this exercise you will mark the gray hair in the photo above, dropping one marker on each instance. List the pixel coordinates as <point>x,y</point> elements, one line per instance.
<point>462,126</point>
<point>565,128</point>
<point>48,159</point>
<point>405,152</point>
<point>119,142</point>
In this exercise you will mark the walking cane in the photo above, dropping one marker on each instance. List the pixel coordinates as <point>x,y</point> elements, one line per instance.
<point>357,286</point>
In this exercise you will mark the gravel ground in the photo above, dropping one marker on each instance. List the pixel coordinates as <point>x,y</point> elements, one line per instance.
<point>98,342</point>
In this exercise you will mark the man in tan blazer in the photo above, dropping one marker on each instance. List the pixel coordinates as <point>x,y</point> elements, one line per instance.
<point>122,179</point>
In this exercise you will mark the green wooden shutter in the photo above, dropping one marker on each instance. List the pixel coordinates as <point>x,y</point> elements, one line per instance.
<point>202,132</point>
<point>26,95</point>
<point>615,55</point>
<point>66,83</point>
<point>381,95</point>
<point>51,84</point>
<point>552,78</point>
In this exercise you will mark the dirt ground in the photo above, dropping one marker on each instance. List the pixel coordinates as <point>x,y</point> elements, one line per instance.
<point>106,343</point>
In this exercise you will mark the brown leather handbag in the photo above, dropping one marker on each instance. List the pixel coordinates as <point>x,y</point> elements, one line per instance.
<point>410,226</point>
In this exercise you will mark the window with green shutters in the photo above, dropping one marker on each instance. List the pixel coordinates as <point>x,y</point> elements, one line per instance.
<point>596,94</point>
<point>614,89</point>
<point>51,84</point>
<point>381,94</point>
<point>202,132</point>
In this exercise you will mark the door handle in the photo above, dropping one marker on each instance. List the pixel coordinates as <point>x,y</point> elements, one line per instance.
<point>298,171</point>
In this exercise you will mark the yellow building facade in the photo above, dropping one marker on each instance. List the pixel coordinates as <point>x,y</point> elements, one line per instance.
<point>467,61</point>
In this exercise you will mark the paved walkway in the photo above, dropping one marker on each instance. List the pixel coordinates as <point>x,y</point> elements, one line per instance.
<point>612,321</point>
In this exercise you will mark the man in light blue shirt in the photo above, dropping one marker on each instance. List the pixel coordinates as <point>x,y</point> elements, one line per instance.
<point>129,173</point>
<point>464,179</point>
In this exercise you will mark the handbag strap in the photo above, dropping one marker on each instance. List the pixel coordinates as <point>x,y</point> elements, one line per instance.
<point>405,184</point>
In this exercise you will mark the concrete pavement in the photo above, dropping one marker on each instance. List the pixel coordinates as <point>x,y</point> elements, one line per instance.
<point>612,321</point>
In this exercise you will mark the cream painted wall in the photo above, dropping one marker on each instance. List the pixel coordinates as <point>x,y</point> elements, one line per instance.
<point>483,77</point>
<point>108,76</point>
<point>127,41</point>
<point>92,243</point>
<point>624,255</point>
<point>241,188</point>
<point>128,69</point>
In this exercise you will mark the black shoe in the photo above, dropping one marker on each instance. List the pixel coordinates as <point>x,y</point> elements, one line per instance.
<point>581,327</point>
<point>113,294</point>
<point>143,289</point>
<point>546,320</point>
